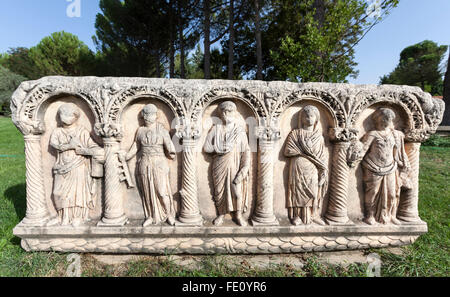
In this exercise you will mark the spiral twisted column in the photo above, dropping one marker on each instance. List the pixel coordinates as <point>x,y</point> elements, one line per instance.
<point>190,211</point>
<point>114,214</point>
<point>337,203</point>
<point>263,214</point>
<point>37,213</point>
<point>338,192</point>
<point>408,210</point>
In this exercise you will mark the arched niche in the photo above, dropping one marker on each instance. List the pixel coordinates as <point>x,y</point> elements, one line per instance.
<point>289,120</point>
<point>131,120</point>
<point>204,160</point>
<point>47,113</point>
<point>364,123</point>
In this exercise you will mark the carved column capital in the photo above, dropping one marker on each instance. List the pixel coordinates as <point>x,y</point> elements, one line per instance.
<point>30,127</point>
<point>190,132</point>
<point>268,134</point>
<point>342,134</point>
<point>109,130</point>
<point>417,135</point>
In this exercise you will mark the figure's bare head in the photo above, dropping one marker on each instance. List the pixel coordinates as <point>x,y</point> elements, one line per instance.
<point>384,118</point>
<point>150,113</point>
<point>309,116</point>
<point>68,113</point>
<point>228,110</point>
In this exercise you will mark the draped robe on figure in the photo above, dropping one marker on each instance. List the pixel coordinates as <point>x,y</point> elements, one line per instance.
<point>73,187</point>
<point>308,162</point>
<point>381,175</point>
<point>153,171</point>
<point>229,164</point>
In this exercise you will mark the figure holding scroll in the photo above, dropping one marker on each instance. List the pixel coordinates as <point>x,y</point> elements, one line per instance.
<point>74,187</point>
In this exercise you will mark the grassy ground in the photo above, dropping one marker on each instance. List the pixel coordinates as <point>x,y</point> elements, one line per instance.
<point>428,256</point>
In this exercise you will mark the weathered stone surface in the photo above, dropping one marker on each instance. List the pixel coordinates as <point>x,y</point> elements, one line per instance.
<point>142,165</point>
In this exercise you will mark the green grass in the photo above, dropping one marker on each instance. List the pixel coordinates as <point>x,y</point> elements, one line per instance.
<point>428,256</point>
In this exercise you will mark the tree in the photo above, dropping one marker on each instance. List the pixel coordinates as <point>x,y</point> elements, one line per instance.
<point>9,82</point>
<point>133,36</point>
<point>62,53</point>
<point>214,31</point>
<point>259,61</point>
<point>142,38</point>
<point>3,59</point>
<point>419,65</point>
<point>18,60</point>
<point>193,66</point>
<point>316,38</point>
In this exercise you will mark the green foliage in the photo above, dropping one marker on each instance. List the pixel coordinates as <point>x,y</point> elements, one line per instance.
<point>436,140</point>
<point>3,59</point>
<point>320,45</point>
<point>9,81</point>
<point>62,53</point>
<point>193,65</point>
<point>419,65</point>
<point>135,37</point>
<point>19,61</point>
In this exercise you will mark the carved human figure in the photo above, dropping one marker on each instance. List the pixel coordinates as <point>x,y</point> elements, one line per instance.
<point>74,186</point>
<point>153,142</point>
<point>231,162</point>
<point>385,166</point>
<point>308,170</point>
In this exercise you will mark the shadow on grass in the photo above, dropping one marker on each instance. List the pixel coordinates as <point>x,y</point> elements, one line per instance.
<point>16,194</point>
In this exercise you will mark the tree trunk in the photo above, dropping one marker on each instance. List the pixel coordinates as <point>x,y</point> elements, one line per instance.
<point>319,17</point>
<point>181,37</point>
<point>259,75</point>
<point>206,41</point>
<point>231,42</point>
<point>172,41</point>
<point>446,120</point>
<point>157,65</point>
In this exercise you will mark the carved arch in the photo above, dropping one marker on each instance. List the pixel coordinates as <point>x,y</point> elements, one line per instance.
<point>251,100</point>
<point>119,101</point>
<point>405,101</point>
<point>330,102</point>
<point>28,112</point>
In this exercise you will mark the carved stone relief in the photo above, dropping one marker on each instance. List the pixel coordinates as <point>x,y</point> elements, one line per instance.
<point>153,143</point>
<point>228,142</point>
<point>281,159</point>
<point>385,168</point>
<point>77,168</point>
<point>308,170</point>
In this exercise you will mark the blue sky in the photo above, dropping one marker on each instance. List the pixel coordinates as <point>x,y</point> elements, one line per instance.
<point>26,22</point>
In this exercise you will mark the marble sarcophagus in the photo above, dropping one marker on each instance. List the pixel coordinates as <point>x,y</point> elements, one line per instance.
<point>143,165</point>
